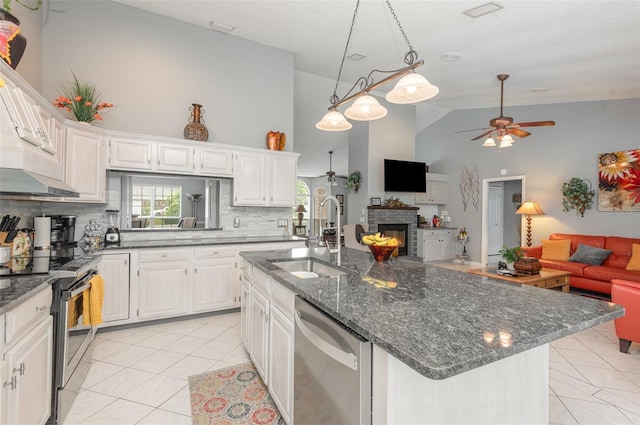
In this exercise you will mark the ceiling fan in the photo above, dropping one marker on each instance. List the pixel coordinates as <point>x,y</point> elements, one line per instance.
<point>504,126</point>
<point>331,175</point>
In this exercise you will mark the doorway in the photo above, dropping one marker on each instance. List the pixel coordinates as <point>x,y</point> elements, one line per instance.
<point>500,225</point>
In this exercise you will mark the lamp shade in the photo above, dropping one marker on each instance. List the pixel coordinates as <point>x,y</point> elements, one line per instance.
<point>365,108</point>
<point>333,121</point>
<point>489,142</point>
<point>530,208</point>
<point>412,88</point>
<point>506,141</point>
<point>301,209</point>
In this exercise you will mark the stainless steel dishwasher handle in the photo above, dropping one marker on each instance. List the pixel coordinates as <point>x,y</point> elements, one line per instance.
<point>347,359</point>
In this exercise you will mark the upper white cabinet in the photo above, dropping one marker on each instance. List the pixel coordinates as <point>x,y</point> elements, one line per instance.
<point>436,190</point>
<point>215,161</point>
<point>265,179</point>
<point>129,154</point>
<point>174,158</point>
<point>85,164</point>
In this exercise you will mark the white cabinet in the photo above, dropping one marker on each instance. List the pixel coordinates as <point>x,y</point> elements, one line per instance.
<point>216,162</point>
<point>436,244</point>
<point>245,317</point>
<point>265,179</point>
<point>173,158</point>
<point>129,154</point>
<point>281,353</point>
<point>162,283</point>
<point>436,190</point>
<point>28,358</point>
<point>114,269</point>
<point>214,278</point>
<point>85,165</point>
<point>259,334</point>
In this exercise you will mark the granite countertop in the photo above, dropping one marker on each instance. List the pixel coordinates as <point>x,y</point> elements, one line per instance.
<point>15,290</point>
<point>197,241</point>
<point>438,321</point>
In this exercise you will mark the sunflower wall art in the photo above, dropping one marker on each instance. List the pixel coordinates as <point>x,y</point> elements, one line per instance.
<point>619,181</point>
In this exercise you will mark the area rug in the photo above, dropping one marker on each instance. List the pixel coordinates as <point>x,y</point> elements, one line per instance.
<point>234,395</point>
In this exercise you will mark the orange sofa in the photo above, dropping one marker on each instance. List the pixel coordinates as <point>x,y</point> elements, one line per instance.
<point>627,294</point>
<point>590,277</point>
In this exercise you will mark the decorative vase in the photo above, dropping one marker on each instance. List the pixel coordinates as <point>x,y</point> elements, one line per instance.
<point>276,140</point>
<point>196,130</point>
<point>12,43</point>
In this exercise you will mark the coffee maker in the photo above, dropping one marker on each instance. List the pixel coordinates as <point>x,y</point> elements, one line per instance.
<point>112,236</point>
<point>63,230</point>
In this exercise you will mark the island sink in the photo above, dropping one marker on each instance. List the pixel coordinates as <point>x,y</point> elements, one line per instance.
<point>306,266</point>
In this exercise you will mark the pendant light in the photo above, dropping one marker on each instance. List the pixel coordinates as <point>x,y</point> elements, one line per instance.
<point>411,87</point>
<point>506,141</point>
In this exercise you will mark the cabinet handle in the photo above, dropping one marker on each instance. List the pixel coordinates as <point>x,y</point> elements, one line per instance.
<point>185,271</point>
<point>13,383</point>
<point>266,318</point>
<point>195,270</point>
<point>148,161</point>
<point>20,369</point>
<point>41,308</point>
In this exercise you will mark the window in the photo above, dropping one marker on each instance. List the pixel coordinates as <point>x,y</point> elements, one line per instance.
<point>160,204</point>
<point>303,197</point>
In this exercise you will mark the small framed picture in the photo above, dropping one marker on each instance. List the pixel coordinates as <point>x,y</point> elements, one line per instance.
<point>376,202</point>
<point>340,199</point>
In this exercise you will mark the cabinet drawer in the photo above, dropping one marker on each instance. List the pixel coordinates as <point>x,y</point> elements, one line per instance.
<point>555,281</point>
<point>22,318</point>
<point>147,255</point>
<point>214,251</point>
<point>283,298</point>
<point>261,281</point>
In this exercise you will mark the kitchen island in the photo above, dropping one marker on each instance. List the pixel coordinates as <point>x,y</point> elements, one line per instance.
<point>449,347</point>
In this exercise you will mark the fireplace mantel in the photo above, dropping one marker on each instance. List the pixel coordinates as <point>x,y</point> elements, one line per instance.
<point>392,208</point>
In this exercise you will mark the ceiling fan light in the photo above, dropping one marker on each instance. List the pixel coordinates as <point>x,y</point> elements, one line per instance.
<point>333,121</point>
<point>506,141</point>
<point>365,108</point>
<point>412,88</point>
<point>489,142</point>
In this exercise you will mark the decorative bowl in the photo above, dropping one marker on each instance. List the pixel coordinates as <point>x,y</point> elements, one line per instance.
<point>381,252</point>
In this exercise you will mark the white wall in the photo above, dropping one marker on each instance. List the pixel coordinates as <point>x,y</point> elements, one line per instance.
<point>30,66</point>
<point>152,68</point>
<point>548,158</point>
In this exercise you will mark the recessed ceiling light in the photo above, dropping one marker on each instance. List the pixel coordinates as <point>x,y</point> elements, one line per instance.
<point>217,26</point>
<point>450,57</point>
<point>355,57</point>
<point>476,12</point>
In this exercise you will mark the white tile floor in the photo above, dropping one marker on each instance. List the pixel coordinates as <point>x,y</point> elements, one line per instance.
<point>139,375</point>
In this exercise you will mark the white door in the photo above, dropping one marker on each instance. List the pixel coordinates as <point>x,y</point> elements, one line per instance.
<point>259,317</point>
<point>495,217</point>
<point>281,333</point>
<point>214,284</point>
<point>163,289</point>
<point>85,166</point>
<point>245,314</point>
<point>114,269</point>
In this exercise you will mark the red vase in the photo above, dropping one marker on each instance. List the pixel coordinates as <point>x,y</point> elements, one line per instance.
<point>12,42</point>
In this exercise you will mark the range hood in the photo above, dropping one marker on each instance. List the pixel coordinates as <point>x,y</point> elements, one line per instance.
<point>15,181</point>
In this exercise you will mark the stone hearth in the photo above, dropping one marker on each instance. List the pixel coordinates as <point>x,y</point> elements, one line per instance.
<point>390,215</point>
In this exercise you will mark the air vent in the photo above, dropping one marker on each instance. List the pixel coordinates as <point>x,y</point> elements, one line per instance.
<point>217,26</point>
<point>485,9</point>
<point>355,57</point>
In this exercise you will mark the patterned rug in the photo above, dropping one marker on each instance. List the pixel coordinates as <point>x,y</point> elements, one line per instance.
<point>234,395</point>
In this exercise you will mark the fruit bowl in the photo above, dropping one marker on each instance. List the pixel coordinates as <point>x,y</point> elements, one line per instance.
<point>381,252</point>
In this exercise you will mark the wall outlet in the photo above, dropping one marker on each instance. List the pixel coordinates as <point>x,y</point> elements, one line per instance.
<point>283,223</point>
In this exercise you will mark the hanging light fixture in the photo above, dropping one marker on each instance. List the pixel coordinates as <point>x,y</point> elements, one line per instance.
<point>489,142</point>
<point>506,141</point>
<point>411,88</point>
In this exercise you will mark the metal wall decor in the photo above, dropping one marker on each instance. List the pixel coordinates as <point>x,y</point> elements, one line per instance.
<point>196,130</point>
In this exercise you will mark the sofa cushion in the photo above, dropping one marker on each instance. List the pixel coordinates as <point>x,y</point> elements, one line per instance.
<point>596,241</point>
<point>606,273</point>
<point>555,250</point>
<point>590,255</point>
<point>622,249</point>
<point>634,262</point>
<point>576,269</point>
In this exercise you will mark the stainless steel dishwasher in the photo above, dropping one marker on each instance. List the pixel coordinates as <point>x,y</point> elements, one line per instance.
<point>332,364</point>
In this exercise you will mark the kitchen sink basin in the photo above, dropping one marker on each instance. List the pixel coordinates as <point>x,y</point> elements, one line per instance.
<point>307,267</point>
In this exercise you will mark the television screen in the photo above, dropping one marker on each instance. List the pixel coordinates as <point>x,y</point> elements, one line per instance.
<point>404,176</point>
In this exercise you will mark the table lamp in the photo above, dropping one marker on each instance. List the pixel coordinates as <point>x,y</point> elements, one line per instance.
<point>529,208</point>
<point>300,210</point>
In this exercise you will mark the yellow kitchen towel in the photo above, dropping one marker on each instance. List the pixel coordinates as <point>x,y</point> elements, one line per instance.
<point>92,302</point>
<point>74,312</point>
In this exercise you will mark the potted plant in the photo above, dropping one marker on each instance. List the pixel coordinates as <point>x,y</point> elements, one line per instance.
<point>82,100</point>
<point>577,195</point>
<point>12,42</point>
<point>353,181</point>
<point>511,255</point>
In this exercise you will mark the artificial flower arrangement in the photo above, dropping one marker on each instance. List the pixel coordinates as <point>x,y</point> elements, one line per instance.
<point>82,100</point>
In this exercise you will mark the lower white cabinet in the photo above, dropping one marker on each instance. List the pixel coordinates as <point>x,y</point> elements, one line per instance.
<point>436,244</point>
<point>162,289</point>
<point>214,279</point>
<point>114,269</point>
<point>28,362</point>
<point>267,319</point>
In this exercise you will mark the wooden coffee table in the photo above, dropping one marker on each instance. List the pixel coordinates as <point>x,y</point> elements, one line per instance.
<point>548,278</point>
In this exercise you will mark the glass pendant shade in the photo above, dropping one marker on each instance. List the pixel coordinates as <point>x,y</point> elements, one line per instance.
<point>506,141</point>
<point>489,142</point>
<point>365,108</point>
<point>412,88</point>
<point>333,121</point>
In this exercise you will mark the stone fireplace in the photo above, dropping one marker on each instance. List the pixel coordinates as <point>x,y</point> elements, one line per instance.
<point>397,216</point>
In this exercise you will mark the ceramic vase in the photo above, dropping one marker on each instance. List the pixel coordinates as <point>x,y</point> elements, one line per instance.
<point>12,42</point>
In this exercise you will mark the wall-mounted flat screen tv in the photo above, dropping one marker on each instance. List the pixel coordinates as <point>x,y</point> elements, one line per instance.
<point>404,176</point>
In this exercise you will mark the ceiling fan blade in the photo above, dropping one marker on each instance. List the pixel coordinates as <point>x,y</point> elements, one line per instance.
<point>475,129</point>
<point>517,132</point>
<point>535,124</point>
<point>483,134</point>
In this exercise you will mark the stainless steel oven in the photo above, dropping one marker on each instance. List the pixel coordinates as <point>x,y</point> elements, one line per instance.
<point>72,340</point>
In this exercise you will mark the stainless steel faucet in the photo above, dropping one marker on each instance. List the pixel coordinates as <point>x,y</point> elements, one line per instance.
<point>337,228</point>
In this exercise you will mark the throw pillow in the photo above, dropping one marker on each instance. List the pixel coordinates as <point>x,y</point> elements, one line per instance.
<point>556,250</point>
<point>634,262</point>
<point>359,232</point>
<point>590,255</point>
